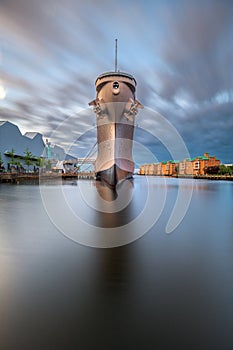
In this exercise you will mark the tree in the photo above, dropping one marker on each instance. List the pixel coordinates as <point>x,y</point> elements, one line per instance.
<point>11,154</point>
<point>28,158</point>
<point>18,164</point>
<point>230,169</point>
<point>39,162</point>
<point>48,164</point>
<point>225,170</point>
<point>1,163</point>
<point>212,170</point>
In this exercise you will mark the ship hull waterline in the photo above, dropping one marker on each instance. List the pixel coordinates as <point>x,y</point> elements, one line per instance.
<point>114,162</point>
<point>115,107</point>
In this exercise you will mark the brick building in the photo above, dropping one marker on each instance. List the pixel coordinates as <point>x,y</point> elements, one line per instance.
<point>198,165</point>
<point>189,166</point>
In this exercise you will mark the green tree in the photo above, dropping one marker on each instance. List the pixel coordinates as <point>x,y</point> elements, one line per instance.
<point>212,170</point>
<point>28,158</point>
<point>39,162</point>
<point>18,164</point>
<point>223,170</point>
<point>1,163</point>
<point>11,154</point>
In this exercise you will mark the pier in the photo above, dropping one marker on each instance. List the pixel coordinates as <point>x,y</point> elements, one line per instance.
<point>30,178</point>
<point>214,177</point>
<point>203,177</point>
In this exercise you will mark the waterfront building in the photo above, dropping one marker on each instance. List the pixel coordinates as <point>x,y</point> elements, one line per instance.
<point>164,168</point>
<point>151,169</point>
<point>142,169</point>
<point>57,152</point>
<point>172,167</point>
<point>198,165</point>
<point>11,138</point>
<point>158,169</point>
<point>188,167</point>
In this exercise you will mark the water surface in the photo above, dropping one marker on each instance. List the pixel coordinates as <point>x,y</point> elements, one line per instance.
<point>159,292</point>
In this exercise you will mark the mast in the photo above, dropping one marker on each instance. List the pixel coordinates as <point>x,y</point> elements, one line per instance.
<point>115,55</point>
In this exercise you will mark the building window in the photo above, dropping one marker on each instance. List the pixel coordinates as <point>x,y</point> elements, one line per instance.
<point>196,165</point>
<point>182,166</point>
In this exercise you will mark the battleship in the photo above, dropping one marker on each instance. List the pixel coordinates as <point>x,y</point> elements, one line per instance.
<point>115,107</point>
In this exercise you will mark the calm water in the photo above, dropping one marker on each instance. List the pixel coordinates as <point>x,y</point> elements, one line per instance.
<point>160,292</point>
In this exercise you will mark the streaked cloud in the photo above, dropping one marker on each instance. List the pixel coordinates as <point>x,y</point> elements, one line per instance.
<point>180,52</point>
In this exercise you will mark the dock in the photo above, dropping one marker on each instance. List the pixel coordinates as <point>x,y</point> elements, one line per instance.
<point>31,178</point>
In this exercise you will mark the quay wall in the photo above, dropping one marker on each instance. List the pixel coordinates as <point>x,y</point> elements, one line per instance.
<point>14,178</point>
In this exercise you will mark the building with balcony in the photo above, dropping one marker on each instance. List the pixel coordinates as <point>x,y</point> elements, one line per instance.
<point>188,167</point>
<point>198,165</point>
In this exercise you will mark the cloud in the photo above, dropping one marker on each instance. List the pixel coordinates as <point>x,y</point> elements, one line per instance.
<point>180,52</point>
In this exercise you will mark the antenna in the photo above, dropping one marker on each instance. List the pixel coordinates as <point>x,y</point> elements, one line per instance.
<point>115,55</point>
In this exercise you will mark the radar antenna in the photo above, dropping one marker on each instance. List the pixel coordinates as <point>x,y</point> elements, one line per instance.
<point>115,55</point>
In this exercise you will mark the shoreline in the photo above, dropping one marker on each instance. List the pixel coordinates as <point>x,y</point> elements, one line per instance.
<point>200,177</point>
<point>30,178</point>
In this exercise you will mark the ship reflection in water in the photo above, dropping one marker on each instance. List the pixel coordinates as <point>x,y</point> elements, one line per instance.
<point>116,210</point>
<point>83,212</point>
<point>107,193</point>
<point>160,292</point>
<point>110,194</point>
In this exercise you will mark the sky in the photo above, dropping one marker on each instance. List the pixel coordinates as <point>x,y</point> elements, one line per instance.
<point>180,52</point>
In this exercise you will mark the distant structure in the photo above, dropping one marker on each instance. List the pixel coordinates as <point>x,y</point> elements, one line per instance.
<point>189,166</point>
<point>12,138</point>
<point>48,149</point>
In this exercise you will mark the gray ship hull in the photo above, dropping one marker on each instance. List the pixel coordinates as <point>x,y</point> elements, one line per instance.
<point>115,108</point>
<point>113,175</point>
